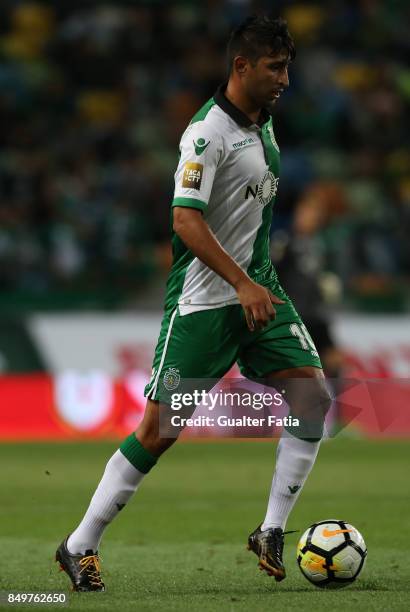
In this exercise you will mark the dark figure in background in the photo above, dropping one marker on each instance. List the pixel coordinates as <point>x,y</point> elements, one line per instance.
<point>299,259</point>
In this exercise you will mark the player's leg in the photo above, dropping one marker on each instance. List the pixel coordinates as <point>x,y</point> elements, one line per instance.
<point>182,355</point>
<point>123,474</point>
<point>308,399</point>
<point>306,394</point>
<point>284,356</point>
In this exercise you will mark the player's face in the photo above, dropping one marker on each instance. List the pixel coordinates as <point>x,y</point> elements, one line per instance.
<point>267,79</point>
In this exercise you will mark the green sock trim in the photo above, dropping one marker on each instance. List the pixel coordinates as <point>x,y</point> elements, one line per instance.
<point>306,431</point>
<point>311,440</point>
<point>136,454</point>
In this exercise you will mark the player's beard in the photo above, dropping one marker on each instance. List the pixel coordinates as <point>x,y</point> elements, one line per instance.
<point>270,105</point>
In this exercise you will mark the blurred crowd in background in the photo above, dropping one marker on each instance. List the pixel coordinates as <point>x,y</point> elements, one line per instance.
<point>94,97</point>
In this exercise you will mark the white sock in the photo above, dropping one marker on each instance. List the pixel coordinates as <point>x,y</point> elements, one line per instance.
<point>294,460</point>
<point>119,482</point>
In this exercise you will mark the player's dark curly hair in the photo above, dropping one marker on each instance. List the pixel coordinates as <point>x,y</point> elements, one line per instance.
<point>260,35</point>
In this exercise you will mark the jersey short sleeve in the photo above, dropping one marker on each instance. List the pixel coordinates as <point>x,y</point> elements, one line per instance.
<point>200,152</point>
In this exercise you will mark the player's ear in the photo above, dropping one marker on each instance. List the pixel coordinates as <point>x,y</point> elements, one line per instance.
<point>240,64</point>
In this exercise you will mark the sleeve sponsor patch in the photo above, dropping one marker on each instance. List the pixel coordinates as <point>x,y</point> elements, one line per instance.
<point>192,175</point>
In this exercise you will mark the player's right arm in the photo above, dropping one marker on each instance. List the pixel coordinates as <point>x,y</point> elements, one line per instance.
<point>257,301</point>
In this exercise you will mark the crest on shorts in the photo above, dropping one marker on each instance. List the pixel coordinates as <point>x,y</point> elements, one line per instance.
<point>171,379</point>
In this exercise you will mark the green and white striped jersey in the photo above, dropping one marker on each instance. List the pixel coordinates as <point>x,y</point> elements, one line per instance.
<point>228,169</point>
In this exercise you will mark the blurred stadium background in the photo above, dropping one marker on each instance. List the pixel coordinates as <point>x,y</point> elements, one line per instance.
<point>94,97</point>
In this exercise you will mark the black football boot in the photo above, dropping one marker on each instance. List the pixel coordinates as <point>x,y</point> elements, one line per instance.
<point>83,570</point>
<point>268,546</point>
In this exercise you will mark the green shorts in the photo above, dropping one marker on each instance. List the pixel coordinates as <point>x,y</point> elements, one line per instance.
<point>205,345</point>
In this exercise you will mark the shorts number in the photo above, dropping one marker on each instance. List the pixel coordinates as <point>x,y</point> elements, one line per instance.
<point>301,333</point>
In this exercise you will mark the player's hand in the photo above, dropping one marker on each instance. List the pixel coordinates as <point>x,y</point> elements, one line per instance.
<point>257,303</point>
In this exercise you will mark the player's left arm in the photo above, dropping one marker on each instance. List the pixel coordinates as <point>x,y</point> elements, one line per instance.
<point>201,150</point>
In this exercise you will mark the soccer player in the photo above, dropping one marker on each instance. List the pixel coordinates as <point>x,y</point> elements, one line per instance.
<point>224,302</point>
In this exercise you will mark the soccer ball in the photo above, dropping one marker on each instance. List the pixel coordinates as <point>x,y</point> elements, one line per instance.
<point>331,554</point>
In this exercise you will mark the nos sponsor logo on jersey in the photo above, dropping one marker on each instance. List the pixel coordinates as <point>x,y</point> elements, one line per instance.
<point>192,176</point>
<point>265,190</point>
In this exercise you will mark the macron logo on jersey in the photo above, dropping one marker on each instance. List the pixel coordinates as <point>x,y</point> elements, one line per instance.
<point>243,143</point>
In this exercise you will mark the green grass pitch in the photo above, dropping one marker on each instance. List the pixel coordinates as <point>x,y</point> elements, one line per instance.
<point>180,543</point>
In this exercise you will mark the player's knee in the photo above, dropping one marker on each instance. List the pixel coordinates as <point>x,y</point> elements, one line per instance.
<point>311,405</point>
<point>321,405</point>
<point>324,399</point>
<point>318,403</point>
